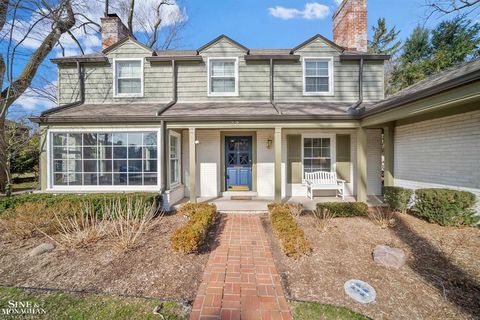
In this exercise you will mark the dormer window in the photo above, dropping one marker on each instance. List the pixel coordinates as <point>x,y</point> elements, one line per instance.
<point>222,76</point>
<point>318,76</point>
<point>128,78</point>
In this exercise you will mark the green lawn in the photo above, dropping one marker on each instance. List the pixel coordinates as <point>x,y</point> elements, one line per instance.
<point>313,310</point>
<point>87,306</point>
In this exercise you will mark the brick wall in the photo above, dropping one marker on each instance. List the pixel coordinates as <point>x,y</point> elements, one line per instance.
<point>437,153</point>
<point>113,30</point>
<point>350,25</point>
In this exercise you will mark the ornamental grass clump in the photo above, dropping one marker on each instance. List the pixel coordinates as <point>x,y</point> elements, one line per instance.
<point>189,238</point>
<point>291,236</point>
<point>345,209</point>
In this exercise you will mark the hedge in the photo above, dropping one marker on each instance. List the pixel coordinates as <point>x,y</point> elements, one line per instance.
<point>292,237</point>
<point>52,200</point>
<point>344,209</point>
<point>189,238</point>
<point>25,215</point>
<point>445,207</point>
<point>397,198</point>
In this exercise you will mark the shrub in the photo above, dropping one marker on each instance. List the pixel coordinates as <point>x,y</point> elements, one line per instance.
<point>292,237</point>
<point>397,198</point>
<point>189,238</point>
<point>344,209</point>
<point>52,200</point>
<point>24,215</point>
<point>445,207</point>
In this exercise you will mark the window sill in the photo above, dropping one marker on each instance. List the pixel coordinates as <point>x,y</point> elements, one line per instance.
<point>223,95</point>
<point>318,94</point>
<point>129,96</point>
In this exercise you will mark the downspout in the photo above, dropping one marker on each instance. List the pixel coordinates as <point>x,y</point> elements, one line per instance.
<point>174,90</point>
<point>354,108</point>
<point>272,95</point>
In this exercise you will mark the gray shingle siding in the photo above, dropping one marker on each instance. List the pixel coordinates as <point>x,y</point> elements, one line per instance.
<point>254,78</point>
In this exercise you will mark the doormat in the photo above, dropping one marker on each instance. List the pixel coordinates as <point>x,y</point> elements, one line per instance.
<point>240,198</point>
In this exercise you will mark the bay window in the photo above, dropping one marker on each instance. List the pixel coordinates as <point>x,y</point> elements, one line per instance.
<point>104,158</point>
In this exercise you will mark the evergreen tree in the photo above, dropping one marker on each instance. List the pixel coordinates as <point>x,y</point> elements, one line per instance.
<point>425,53</point>
<point>384,41</point>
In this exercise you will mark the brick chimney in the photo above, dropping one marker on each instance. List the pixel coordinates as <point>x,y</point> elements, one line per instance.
<point>350,25</point>
<point>113,30</point>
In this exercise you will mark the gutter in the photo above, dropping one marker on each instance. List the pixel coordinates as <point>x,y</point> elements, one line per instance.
<point>81,82</point>
<point>174,91</point>
<point>354,109</point>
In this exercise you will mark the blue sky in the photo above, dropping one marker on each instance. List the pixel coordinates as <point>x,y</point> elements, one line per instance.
<point>256,24</point>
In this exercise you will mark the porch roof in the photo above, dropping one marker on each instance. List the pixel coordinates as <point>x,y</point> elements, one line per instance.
<point>192,111</point>
<point>255,111</point>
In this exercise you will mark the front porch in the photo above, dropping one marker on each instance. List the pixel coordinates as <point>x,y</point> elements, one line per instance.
<point>259,205</point>
<point>272,162</point>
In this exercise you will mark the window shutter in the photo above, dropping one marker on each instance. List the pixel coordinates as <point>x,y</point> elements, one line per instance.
<point>343,157</point>
<point>294,158</point>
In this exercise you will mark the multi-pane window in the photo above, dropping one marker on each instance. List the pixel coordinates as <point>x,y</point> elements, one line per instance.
<point>222,77</point>
<point>174,159</point>
<point>128,77</point>
<point>105,159</point>
<point>316,154</point>
<point>317,76</point>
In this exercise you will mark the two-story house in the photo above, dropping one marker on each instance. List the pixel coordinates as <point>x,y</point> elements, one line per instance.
<point>228,120</point>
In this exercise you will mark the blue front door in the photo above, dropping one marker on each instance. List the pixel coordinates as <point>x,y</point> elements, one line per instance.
<point>238,163</point>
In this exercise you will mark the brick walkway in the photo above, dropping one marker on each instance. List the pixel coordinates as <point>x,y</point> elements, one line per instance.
<point>240,280</point>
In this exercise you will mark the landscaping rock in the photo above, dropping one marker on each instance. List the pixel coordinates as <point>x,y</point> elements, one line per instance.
<point>388,256</point>
<point>42,248</point>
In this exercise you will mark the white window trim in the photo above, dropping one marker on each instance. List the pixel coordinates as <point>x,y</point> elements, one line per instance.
<point>209,83</point>
<point>331,81</point>
<point>50,164</point>
<point>115,82</point>
<point>179,150</point>
<point>333,150</point>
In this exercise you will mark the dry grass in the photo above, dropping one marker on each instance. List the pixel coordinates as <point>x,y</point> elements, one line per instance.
<point>295,209</point>
<point>128,222</point>
<point>382,216</point>
<point>123,223</point>
<point>323,218</point>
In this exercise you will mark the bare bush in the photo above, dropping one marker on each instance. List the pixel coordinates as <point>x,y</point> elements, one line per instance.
<point>128,221</point>
<point>295,209</point>
<point>382,216</point>
<point>323,218</point>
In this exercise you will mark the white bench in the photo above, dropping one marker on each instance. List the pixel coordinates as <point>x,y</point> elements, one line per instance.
<point>324,180</point>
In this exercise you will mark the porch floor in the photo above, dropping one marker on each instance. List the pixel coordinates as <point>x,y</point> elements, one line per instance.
<point>259,205</point>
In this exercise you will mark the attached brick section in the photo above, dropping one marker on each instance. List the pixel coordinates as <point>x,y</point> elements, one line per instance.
<point>241,280</point>
<point>350,25</point>
<point>113,30</point>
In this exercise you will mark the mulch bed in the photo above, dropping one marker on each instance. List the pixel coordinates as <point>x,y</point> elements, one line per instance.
<point>152,269</point>
<point>440,280</point>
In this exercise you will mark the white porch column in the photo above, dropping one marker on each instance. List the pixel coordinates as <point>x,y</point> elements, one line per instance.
<point>192,164</point>
<point>278,164</point>
<point>388,152</point>
<point>361,164</point>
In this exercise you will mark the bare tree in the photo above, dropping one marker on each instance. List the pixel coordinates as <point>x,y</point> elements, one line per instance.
<point>444,7</point>
<point>61,19</point>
